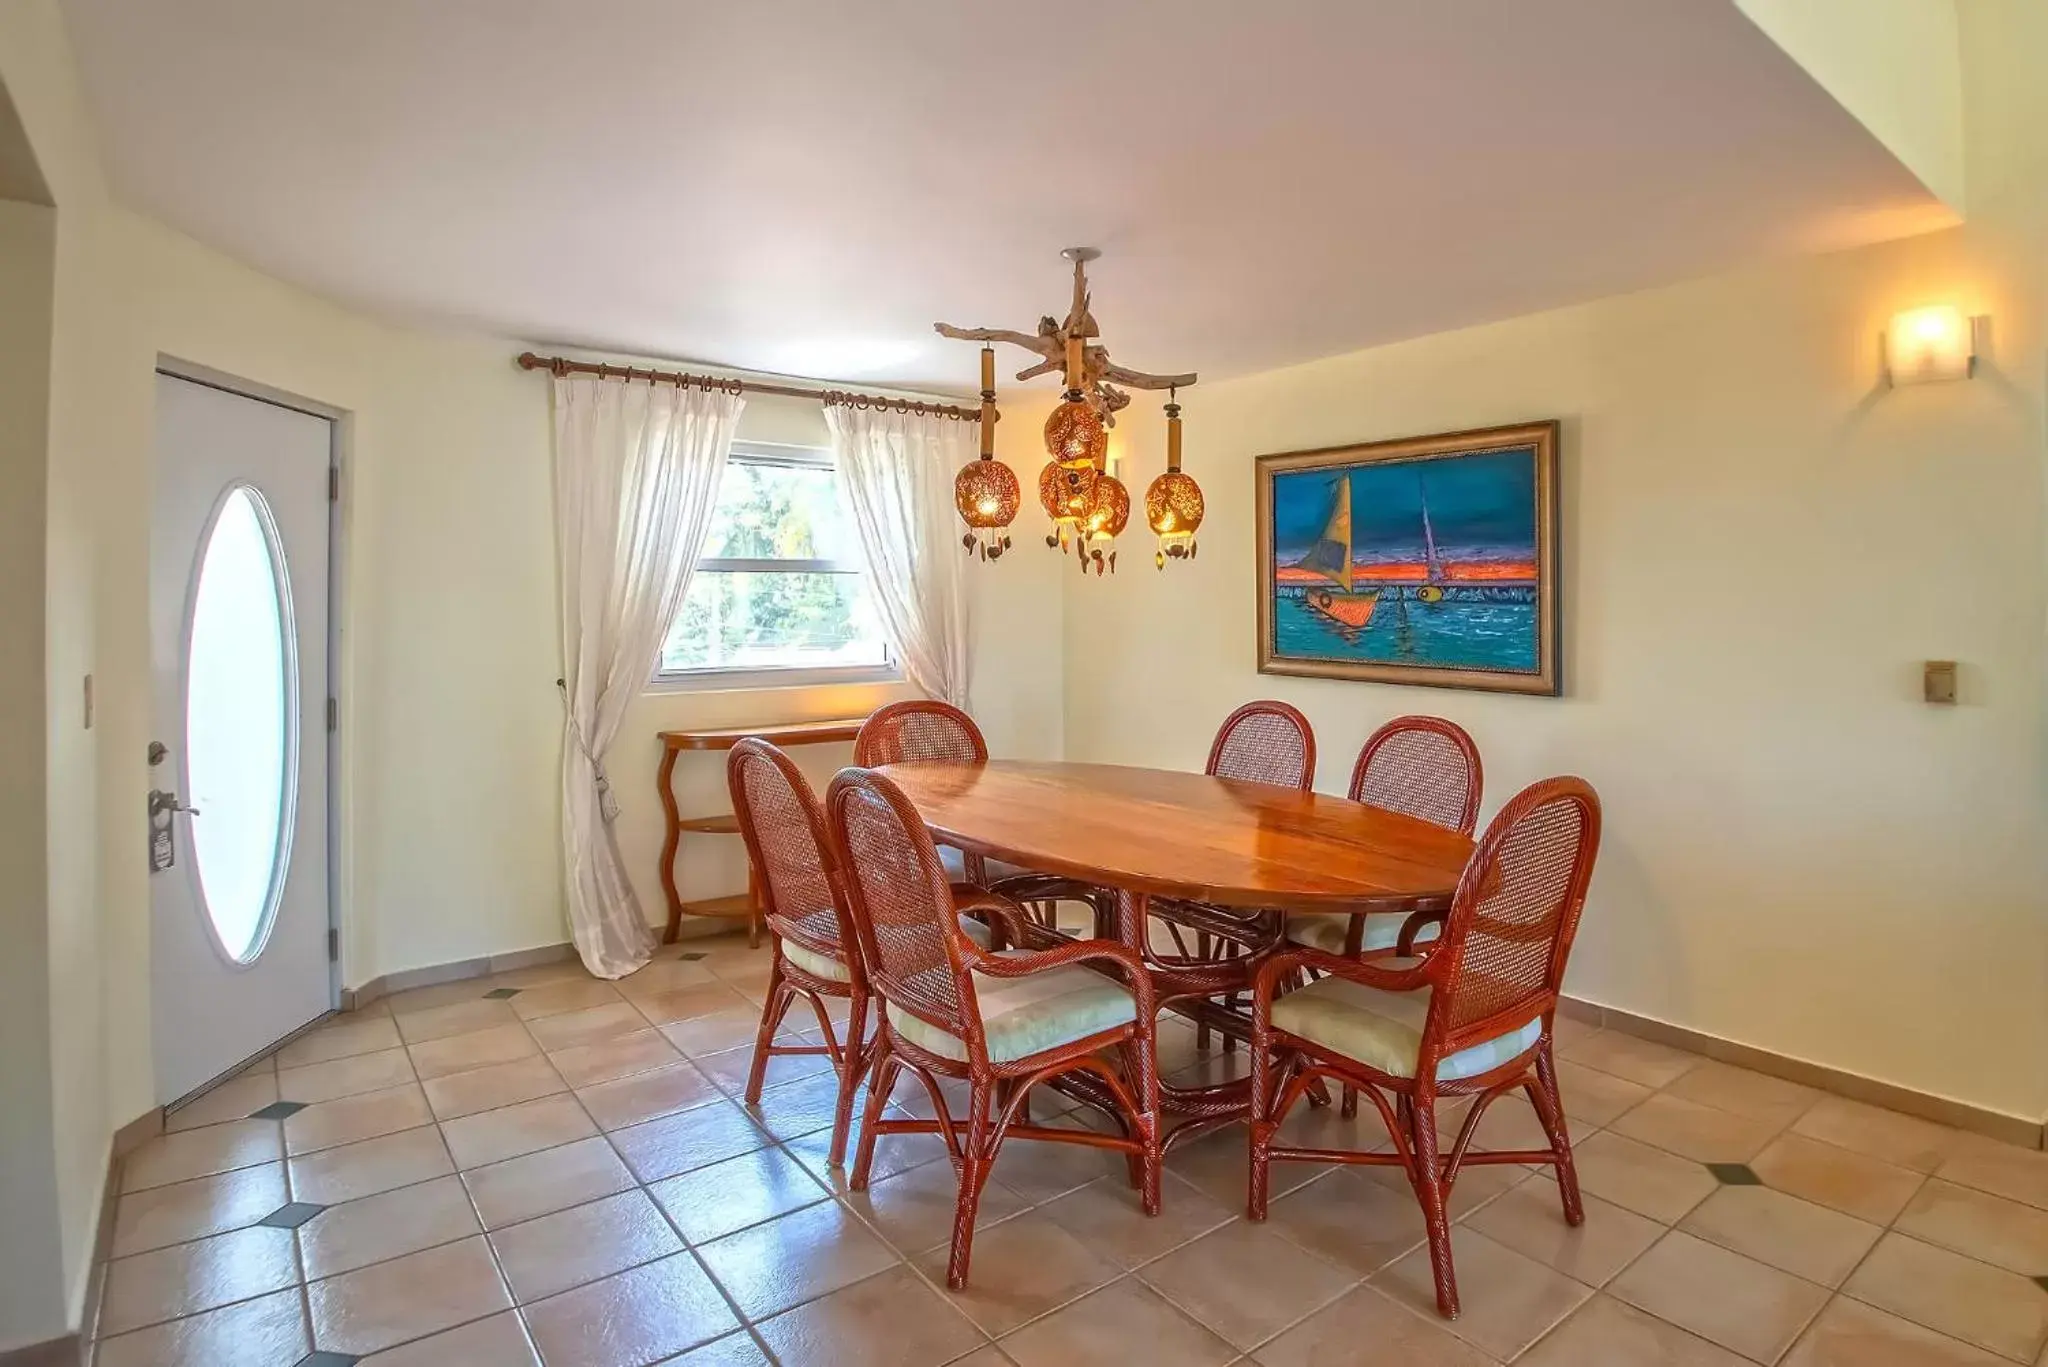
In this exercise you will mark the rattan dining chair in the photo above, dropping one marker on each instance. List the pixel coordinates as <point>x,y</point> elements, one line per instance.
<point>1004,1022</point>
<point>1472,1017</point>
<point>925,731</point>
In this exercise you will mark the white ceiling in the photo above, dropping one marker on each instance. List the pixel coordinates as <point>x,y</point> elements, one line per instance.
<point>804,186</point>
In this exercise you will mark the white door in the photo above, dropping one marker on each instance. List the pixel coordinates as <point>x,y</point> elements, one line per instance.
<point>238,807</point>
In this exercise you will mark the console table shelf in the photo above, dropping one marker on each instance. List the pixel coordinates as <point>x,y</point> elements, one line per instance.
<point>738,906</point>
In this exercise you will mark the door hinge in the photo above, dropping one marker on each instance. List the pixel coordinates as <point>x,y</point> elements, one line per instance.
<point>334,484</point>
<point>333,714</point>
<point>334,944</point>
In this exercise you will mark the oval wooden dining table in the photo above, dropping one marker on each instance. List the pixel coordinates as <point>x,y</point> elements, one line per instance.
<point>1148,834</point>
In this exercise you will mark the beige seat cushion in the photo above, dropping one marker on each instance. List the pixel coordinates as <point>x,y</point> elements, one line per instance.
<point>1025,1016</point>
<point>1326,930</point>
<point>1383,1030</point>
<point>835,971</point>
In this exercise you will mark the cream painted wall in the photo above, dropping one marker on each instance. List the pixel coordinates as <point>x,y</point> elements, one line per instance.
<point>1760,546</point>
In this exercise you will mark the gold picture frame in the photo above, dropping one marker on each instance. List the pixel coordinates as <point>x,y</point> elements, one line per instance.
<point>1362,577</point>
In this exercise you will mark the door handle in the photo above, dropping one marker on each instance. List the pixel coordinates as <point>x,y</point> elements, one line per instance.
<point>161,802</point>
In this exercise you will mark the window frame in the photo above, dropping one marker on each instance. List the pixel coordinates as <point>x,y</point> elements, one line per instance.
<point>776,676</point>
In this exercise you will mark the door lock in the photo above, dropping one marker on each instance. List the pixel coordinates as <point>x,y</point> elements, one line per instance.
<point>161,802</point>
<point>158,753</point>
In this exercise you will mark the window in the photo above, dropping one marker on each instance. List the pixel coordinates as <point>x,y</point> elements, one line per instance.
<point>781,587</point>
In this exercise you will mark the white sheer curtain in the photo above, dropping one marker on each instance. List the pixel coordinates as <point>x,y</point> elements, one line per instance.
<point>897,469</point>
<point>636,478</point>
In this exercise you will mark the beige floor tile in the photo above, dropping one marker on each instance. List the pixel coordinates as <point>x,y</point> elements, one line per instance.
<point>587,1026</point>
<point>485,1089</point>
<point>1994,1309</point>
<point>566,969</point>
<point>622,1056</point>
<point>913,1210</point>
<point>477,1049</point>
<point>1364,1325</point>
<point>390,1224</point>
<point>716,1032</point>
<point>1756,1095</point>
<point>1125,1322</point>
<point>201,1153</point>
<point>1605,1332</point>
<point>231,1100</point>
<point>187,1278</point>
<point>1723,1297</point>
<point>389,1303</point>
<point>1644,1179</point>
<point>689,1003</point>
<point>664,975</point>
<point>1530,1220</point>
<point>1506,1301</point>
<point>561,997</point>
<point>458,1018</point>
<point>509,1131</point>
<point>1041,1169</point>
<point>771,1267</point>
<point>714,1201</point>
<point>1976,1224</point>
<point>1109,1216</point>
<point>893,1154</point>
<point>258,1333</point>
<point>159,1216</point>
<point>416,999</point>
<point>647,1096</point>
<point>1704,1134</point>
<point>332,1176</point>
<point>676,1144</point>
<point>345,1076</point>
<point>2002,1169</point>
<point>1476,1185</point>
<point>728,1070</point>
<point>353,1033</point>
<point>1220,1164</point>
<point>1852,1334</point>
<point>1593,1099</point>
<point>1849,1182</point>
<point>793,1109</point>
<point>1902,1140</point>
<point>581,1244</point>
<point>540,1183</point>
<point>1637,1060</point>
<point>347,1119</point>
<point>1350,1219</point>
<point>499,1341</point>
<point>892,1319</point>
<point>1019,1270</point>
<point>643,1315</point>
<point>1792,1235</point>
<point>1512,1123</point>
<point>734,1350</point>
<point>1246,1282</point>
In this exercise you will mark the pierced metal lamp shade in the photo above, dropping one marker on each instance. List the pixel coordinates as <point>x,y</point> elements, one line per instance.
<point>1173,509</point>
<point>1109,512</point>
<point>1075,435</point>
<point>985,491</point>
<point>1064,492</point>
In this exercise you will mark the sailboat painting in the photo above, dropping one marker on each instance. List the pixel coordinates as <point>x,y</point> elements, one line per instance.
<point>1431,560</point>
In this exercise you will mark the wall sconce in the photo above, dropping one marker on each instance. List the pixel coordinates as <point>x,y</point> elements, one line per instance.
<point>1923,345</point>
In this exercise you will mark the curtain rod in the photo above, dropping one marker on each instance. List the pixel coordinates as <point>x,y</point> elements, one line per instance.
<point>840,398</point>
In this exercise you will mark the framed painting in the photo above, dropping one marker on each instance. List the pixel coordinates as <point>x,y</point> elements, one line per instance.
<point>1430,560</point>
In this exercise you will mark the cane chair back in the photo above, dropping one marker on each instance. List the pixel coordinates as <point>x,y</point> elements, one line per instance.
<point>1265,742</point>
<point>1513,918</point>
<point>902,904</point>
<point>1422,767</point>
<point>784,827</point>
<point>909,732</point>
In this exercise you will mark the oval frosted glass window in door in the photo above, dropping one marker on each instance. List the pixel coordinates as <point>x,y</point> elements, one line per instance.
<point>241,756</point>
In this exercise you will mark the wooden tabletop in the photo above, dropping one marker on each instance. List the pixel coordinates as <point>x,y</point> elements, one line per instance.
<point>788,733</point>
<point>1171,834</point>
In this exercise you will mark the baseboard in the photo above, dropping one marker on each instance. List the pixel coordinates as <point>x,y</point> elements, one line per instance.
<point>2011,1129</point>
<point>74,1350</point>
<point>433,975</point>
<point>68,1351</point>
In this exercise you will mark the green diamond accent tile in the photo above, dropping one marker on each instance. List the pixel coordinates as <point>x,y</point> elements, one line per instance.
<point>691,956</point>
<point>291,1215</point>
<point>1735,1174</point>
<point>278,1110</point>
<point>323,1358</point>
<point>2041,1282</point>
<point>498,994</point>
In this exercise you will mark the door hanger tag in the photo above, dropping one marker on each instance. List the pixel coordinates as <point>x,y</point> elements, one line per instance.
<point>163,851</point>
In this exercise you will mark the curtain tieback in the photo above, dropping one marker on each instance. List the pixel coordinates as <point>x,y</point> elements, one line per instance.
<point>607,801</point>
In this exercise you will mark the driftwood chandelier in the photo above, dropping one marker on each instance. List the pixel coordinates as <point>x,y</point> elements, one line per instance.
<point>1088,505</point>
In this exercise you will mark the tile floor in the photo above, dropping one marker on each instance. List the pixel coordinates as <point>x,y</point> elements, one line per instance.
<point>544,1169</point>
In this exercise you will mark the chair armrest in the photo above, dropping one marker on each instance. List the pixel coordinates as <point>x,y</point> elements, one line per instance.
<point>1007,915</point>
<point>1410,928</point>
<point>1366,972</point>
<point>1017,964</point>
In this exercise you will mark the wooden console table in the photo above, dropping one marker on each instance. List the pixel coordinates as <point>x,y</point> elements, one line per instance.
<point>744,905</point>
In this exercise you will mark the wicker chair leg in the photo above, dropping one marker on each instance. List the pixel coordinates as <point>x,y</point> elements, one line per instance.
<point>1428,1179</point>
<point>1262,1124</point>
<point>850,1071</point>
<point>882,1081</point>
<point>974,1169</point>
<point>773,1009</point>
<point>1350,1108</point>
<point>1202,1022</point>
<point>1549,1103</point>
